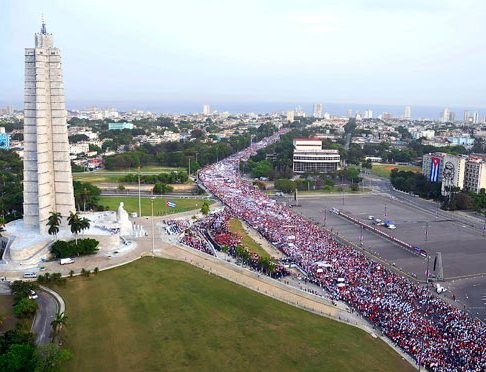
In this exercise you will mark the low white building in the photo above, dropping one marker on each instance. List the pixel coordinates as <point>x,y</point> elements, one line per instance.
<point>78,148</point>
<point>309,157</point>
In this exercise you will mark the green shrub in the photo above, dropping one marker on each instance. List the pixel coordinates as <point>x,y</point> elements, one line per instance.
<point>25,307</point>
<point>63,249</point>
<point>21,289</point>
<point>51,278</point>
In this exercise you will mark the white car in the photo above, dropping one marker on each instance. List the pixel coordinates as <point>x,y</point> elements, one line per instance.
<point>371,217</point>
<point>33,295</point>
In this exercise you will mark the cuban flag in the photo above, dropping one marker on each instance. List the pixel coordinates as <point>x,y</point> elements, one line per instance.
<point>170,204</point>
<point>434,170</point>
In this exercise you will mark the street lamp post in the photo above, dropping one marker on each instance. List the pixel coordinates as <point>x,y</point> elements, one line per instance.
<point>484,225</point>
<point>139,197</point>
<point>361,237</point>
<point>427,270</point>
<point>426,233</point>
<point>385,210</point>
<point>426,252</point>
<point>153,230</point>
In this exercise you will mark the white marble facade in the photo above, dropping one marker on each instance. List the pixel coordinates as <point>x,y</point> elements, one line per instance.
<point>48,185</point>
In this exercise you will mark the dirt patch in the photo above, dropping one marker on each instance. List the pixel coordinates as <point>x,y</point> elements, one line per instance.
<point>6,313</point>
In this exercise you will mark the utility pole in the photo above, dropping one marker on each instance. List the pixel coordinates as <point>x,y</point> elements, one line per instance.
<point>484,225</point>
<point>139,196</point>
<point>427,270</point>
<point>325,216</point>
<point>426,234</point>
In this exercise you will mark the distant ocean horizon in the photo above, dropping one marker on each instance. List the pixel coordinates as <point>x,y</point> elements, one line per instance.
<point>338,109</point>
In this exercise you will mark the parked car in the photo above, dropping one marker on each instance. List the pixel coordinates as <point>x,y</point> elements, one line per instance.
<point>33,295</point>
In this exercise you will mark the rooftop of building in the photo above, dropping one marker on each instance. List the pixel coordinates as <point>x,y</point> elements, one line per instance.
<point>314,139</point>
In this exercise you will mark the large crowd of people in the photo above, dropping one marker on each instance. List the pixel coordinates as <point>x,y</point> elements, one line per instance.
<point>213,233</point>
<point>435,333</point>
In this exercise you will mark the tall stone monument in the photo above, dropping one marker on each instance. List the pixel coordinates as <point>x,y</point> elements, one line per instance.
<point>48,184</point>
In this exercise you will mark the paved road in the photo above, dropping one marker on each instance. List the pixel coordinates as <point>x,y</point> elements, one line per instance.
<point>472,221</point>
<point>45,314</point>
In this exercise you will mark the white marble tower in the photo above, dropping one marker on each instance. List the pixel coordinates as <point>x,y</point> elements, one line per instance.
<point>48,184</point>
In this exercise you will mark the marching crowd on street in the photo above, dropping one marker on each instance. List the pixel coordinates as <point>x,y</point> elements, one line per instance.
<point>438,335</point>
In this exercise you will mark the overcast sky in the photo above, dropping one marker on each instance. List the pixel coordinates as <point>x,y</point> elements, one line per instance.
<point>419,52</point>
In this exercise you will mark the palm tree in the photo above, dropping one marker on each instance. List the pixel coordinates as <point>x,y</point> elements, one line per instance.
<point>59,320</point>
<point>84,223</point>
<point>74,221</point>
<point>85,194</point>
<point>53,222</point>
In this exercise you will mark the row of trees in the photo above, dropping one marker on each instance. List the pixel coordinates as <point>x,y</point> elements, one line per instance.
<point>76,223</point>
<point>463,200</point>
<point>11,189</point>
<point>86,196</point>
<point>177,154</point>
<point>415,183</point>
<point>303,184</point>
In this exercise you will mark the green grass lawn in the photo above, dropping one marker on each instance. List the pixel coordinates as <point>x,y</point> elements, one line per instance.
<point>131,204</point>
<point>7,317</point>
<point>95,177</point>
<point>162,315</point>
<point>235,226</point>
<point>384,170</point>
<point>113,176</point>
<point>147,169</point>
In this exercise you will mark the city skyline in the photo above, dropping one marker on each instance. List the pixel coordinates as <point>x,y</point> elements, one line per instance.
<point>268,52</point>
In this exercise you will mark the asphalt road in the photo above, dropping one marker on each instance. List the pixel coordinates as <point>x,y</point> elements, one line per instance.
<point>471,220</point>
<point>45,314</point>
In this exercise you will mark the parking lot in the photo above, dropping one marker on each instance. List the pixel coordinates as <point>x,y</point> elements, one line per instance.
<point>463,249</point>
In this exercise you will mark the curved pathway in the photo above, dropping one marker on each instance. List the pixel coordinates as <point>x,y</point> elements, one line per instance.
<point>50,303</point>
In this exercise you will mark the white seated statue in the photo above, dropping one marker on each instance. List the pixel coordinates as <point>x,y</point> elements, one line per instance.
<point>123,221</point>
